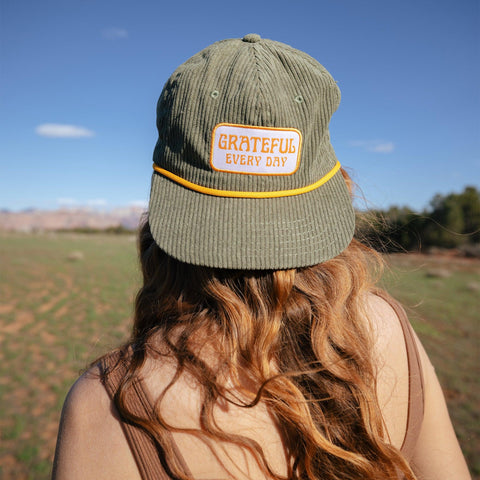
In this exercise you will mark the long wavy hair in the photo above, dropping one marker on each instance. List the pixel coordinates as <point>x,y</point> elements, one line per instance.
<point>299,336</point>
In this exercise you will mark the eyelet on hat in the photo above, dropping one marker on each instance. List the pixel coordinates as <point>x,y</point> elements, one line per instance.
<point>215,94</point>
<point>299,99</point>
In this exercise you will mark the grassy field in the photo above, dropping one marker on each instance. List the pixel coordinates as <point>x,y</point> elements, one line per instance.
<point>65,299</point>
<point>441,296</point>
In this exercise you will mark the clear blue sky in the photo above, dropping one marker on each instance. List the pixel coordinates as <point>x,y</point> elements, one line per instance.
<point>409,71</point>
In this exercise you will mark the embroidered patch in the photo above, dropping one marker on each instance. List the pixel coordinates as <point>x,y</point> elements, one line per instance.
<point>255,150</point>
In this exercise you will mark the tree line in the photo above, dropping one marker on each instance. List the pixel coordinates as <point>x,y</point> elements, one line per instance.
<point>450,221</point>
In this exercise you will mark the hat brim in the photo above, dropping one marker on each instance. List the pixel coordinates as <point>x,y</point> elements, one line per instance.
<point>249,233</point>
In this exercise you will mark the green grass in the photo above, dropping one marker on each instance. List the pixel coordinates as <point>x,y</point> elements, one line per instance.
<point>57,315</point>
<point>445,313</point>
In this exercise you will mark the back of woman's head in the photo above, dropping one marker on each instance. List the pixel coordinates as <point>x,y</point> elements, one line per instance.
<point>248,250</point>
<point>299,335</point>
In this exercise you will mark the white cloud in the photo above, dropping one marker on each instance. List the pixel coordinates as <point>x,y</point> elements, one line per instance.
<point>114,33</point>
<point>386,147</point>
<point>374,146</point>
<point>56,130</point>
<point>66,201</point>
<point>97,202</point>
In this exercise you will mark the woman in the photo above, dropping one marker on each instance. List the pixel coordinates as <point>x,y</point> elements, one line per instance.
<point>261,347</point>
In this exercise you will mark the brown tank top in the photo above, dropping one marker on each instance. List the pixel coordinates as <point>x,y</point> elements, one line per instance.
<point>148,456</point>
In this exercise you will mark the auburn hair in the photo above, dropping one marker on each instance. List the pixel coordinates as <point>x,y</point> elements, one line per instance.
<point>299,335</point>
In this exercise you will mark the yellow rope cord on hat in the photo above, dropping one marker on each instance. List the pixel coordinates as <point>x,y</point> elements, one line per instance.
<point>238,194</point>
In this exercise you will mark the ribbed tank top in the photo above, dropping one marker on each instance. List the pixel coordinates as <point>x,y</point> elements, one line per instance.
<point>149,458</point>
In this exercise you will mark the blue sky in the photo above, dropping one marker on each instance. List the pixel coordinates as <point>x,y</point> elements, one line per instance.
<point>80,80</point>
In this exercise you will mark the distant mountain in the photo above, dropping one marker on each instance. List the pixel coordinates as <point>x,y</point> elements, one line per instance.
<point>70,218</point>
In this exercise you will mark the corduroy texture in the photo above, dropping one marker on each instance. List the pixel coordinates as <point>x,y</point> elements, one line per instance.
<point>255,82</point>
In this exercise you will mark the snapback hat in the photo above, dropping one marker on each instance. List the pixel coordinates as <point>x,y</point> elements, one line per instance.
<point>244,174</point>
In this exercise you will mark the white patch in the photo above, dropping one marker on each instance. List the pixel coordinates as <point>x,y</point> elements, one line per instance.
<point>255,150</point>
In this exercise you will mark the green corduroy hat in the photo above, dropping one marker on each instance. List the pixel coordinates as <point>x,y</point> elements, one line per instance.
<point>244,174</point>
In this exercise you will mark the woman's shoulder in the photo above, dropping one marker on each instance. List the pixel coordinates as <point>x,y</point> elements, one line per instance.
<point>383,315</point>
<point>87,395</point>
<point>88,399</point>
<point>389,356</point>
<point>90,434</point>
<point>390,326</point>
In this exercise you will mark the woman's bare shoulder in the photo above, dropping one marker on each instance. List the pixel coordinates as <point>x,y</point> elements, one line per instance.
<point>390,360</point>
<point>437,453</point>
<point>87,398</point>
<point>386,328</point>
<point>90,440</point>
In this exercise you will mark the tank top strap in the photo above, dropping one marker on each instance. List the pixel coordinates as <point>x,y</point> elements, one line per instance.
<point>147,452</point>
<point>415,379</point>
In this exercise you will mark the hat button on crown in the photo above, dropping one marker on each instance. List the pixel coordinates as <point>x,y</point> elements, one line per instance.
<point>252,38</point>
